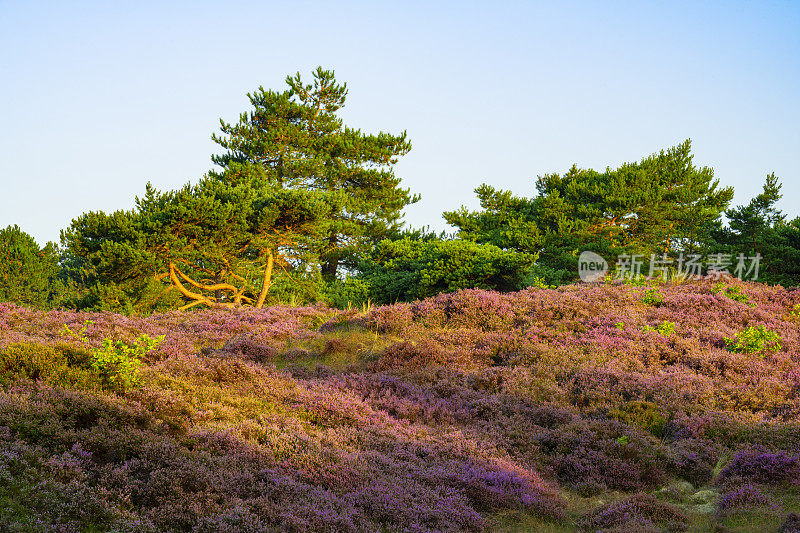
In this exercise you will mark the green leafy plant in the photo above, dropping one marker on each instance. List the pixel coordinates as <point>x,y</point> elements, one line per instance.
<point>665,328</point>
<point>79,335</point>
<point>118,362</point>
<point>755,339</point>
<point>637,280</point>
<point>653,297</point>
<point>732,293</point>
<point>795,312</point>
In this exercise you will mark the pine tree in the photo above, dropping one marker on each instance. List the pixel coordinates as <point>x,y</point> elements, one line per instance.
<point>750,222</point>
<point>295,140</point>
<point>662,203</point>
<point>217,244</point>
<point>28,273</point>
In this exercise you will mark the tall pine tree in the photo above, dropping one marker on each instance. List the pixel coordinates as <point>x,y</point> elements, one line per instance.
<point>295,140</point>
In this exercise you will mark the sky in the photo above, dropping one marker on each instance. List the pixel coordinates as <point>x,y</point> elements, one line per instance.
<point>98,98</point>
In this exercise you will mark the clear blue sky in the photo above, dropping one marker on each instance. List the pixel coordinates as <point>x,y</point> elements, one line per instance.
<point>97,98</point>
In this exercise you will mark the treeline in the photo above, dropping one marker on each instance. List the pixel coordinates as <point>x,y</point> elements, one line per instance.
<point>302,208</point>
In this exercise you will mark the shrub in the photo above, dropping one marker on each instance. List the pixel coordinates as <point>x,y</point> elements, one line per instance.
<point>755,339</point>
<point>791,524</point>
<point>747,496</point>
<point>641,414</point>
<point>760,466</point>
<point>653,297</point>
<point>733,293</point>
<point>352,292</point>
<point>665,328</point>
<point>634,512</point>
<point>117,362</point>
<point>695,459</point>
<point>59,364</point>
<point>406,269</point>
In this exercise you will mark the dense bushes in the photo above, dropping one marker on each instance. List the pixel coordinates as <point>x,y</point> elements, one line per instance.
<point>444,414</point>
<point>407,269</point>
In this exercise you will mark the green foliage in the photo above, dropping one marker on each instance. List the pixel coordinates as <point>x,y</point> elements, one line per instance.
<point>505,221</point>
<point>79,335</point>
<point>761,228</point>
<point>295,140</point>
<point>542,276</point>
<point>117,363</point>
<point>636,281</point>
<point>29,275</point>
<point>405,270</point>
<point>665,328</point>
<point>645,415</point>
<point>658,204</point>
<point>223,235</point>
<point>653,297</point>
<point>755,339</point>
<point>348,293</point>
<point>733,293</point>
<point>751,222</point>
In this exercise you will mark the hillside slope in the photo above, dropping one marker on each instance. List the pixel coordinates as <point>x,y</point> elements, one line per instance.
<point>610,407</point>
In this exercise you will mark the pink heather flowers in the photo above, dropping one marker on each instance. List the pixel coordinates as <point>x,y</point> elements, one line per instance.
<point>448,414</point>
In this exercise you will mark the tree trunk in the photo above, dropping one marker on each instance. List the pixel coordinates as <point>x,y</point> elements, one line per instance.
<point>331,264</point>
<point>267,281</point>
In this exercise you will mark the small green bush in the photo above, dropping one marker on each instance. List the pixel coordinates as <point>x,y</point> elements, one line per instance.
<point>732,293</point>
<point>755,339</point>
<point>352,292</point>
<point>645,415</point>
<point>653,297</point>
<point>117,363</point>
<point>637,280</point>
<point>666,328</point>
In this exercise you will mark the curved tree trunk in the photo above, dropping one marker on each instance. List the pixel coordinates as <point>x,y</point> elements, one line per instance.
<point>267,281</point>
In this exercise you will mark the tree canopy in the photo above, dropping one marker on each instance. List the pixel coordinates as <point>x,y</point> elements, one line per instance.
<point>295,140</point>
<point>216,243</point>
<point>662,203</point>
<point>29,275</point>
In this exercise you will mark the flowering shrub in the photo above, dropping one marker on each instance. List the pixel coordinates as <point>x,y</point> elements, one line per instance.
<point>746,496</point>
<point>453,413</point>
<point>761,466</point>
<point>640,512</point>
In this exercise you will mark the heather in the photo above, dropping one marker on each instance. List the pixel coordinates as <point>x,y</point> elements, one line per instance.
<point>589,407</point>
